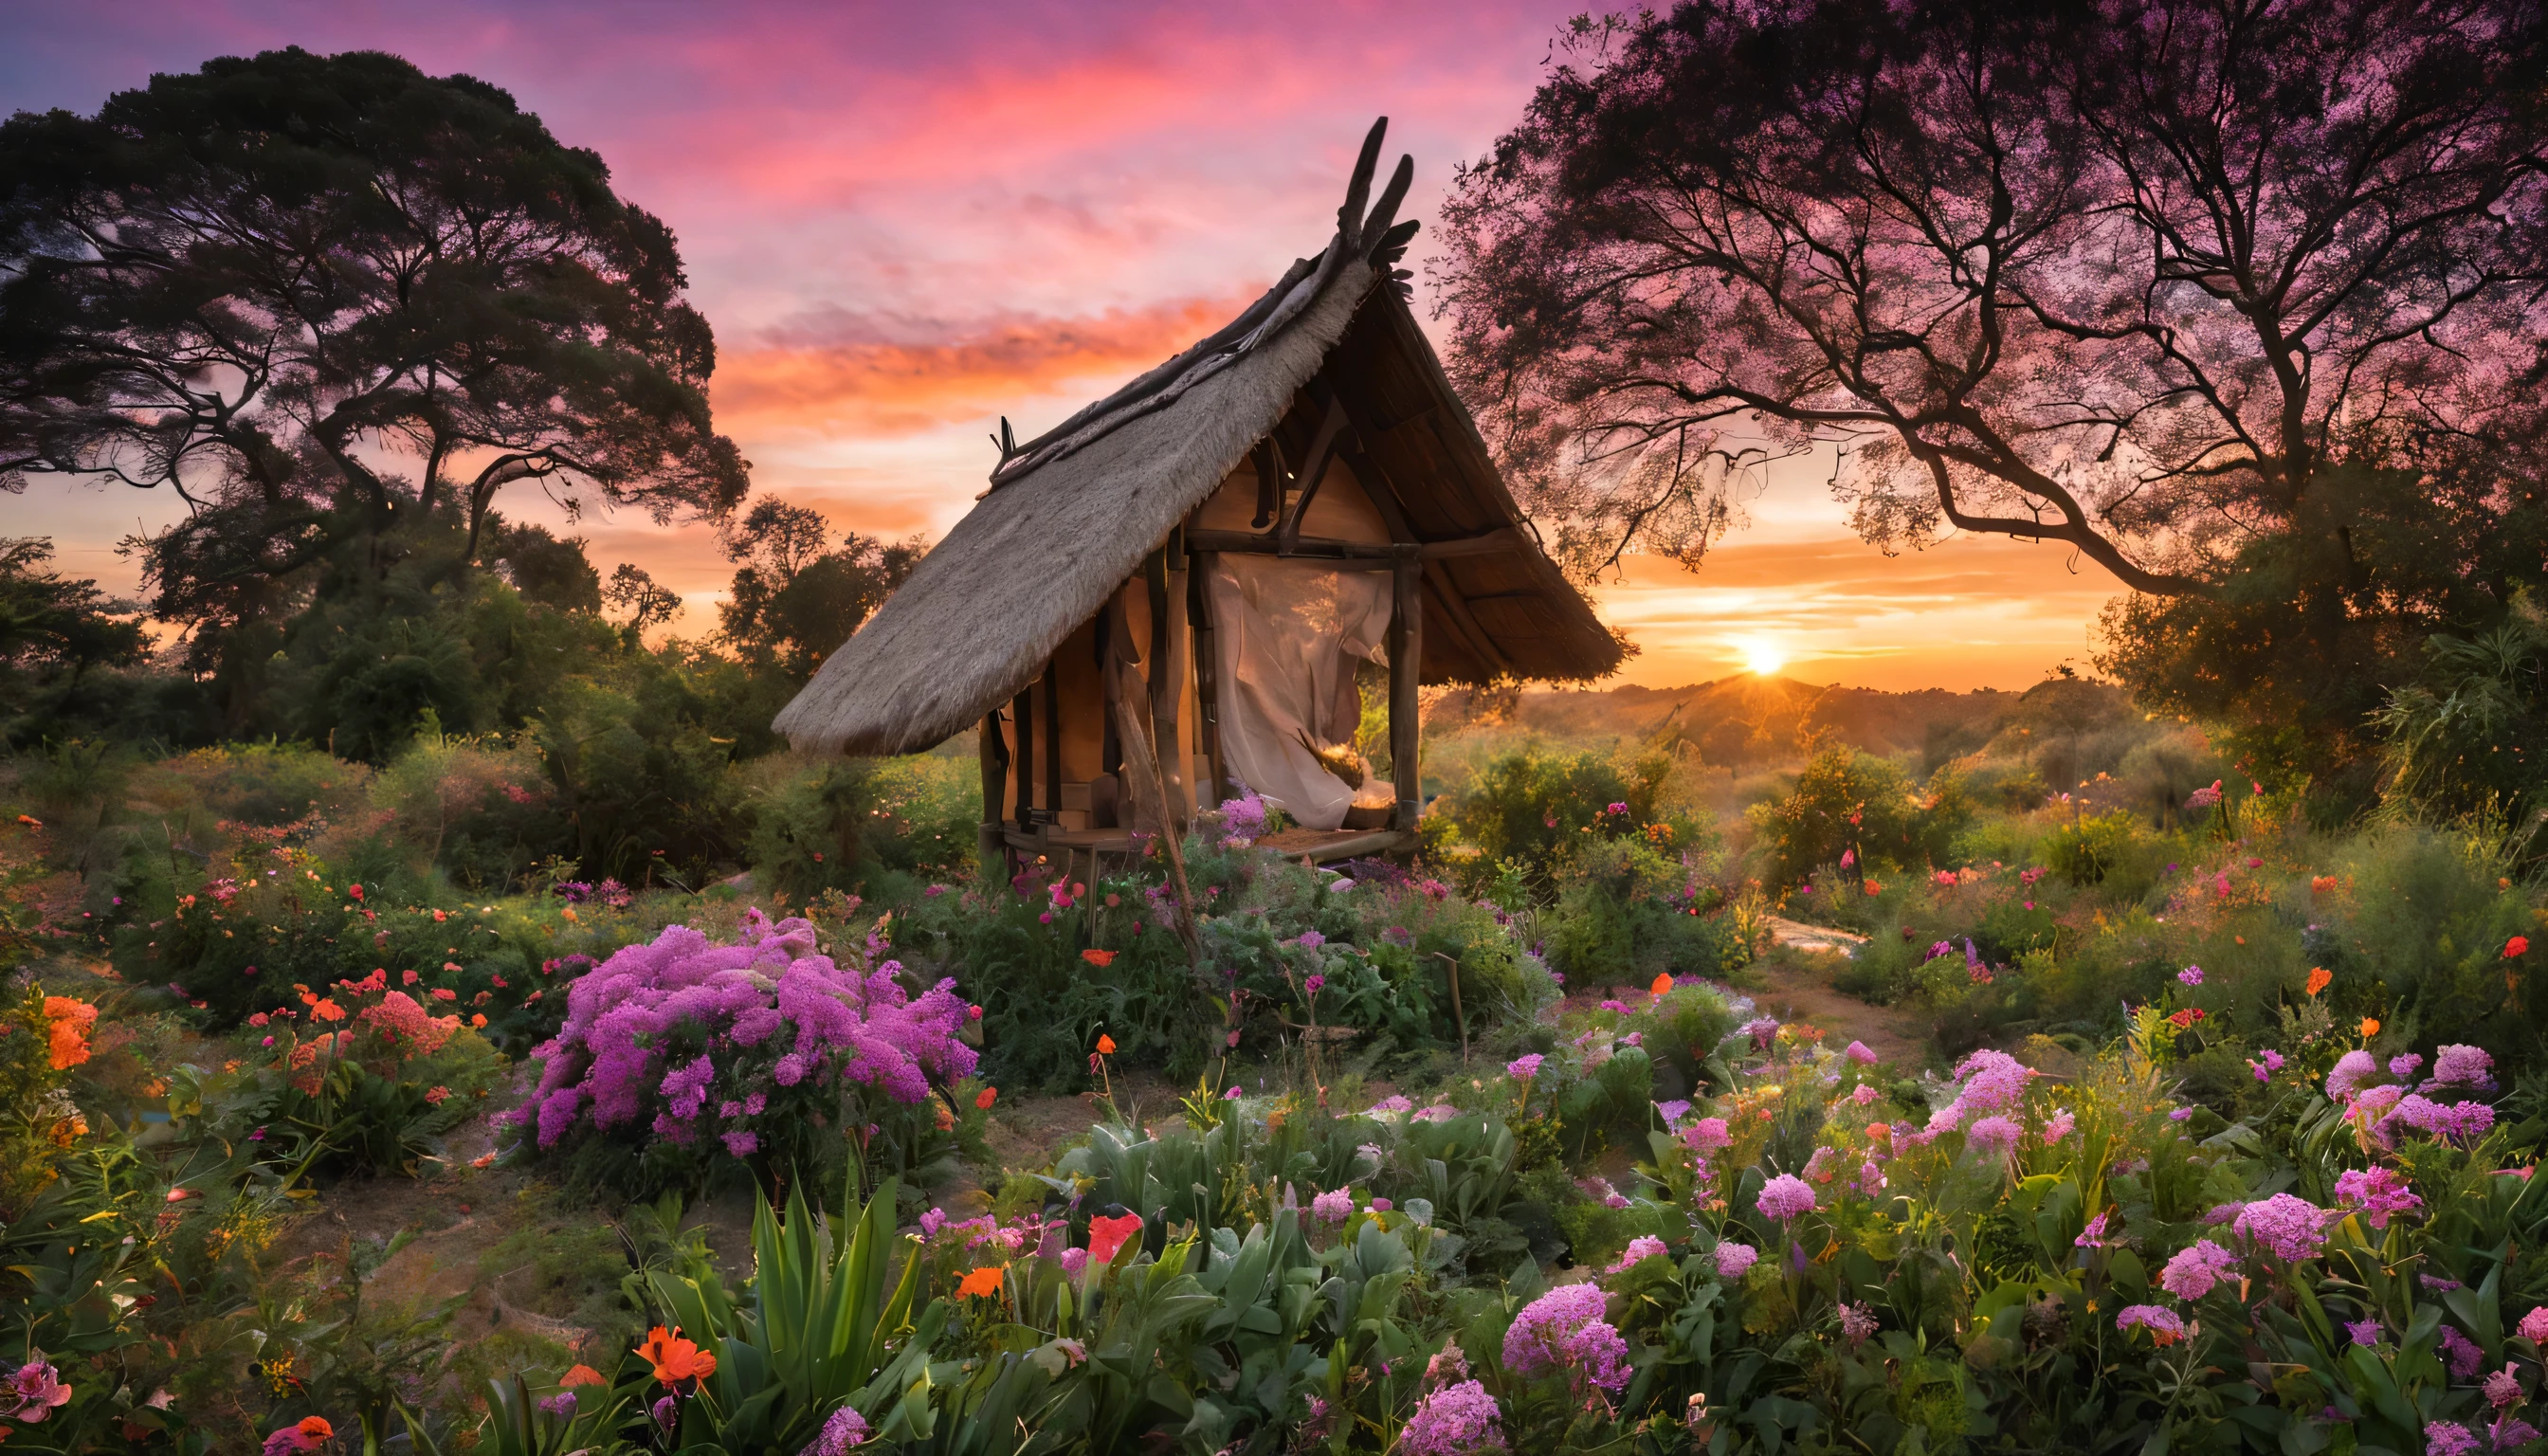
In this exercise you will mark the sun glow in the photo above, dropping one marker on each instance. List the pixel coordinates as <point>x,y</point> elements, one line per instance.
<point>1762,657</point>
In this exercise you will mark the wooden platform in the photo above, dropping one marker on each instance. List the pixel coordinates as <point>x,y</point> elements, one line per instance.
<point>1320,845</point>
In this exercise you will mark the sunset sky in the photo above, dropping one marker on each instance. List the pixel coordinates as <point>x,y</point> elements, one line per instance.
<point>907,221</point>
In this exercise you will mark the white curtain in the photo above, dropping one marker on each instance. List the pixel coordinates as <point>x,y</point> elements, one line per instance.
<point>1290,633</point>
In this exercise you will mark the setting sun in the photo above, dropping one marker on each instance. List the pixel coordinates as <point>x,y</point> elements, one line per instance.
<point>1762,658</point>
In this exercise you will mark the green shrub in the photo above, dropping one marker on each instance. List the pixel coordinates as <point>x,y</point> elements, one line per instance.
<point>2086,850</point>
<point>1852,805</point>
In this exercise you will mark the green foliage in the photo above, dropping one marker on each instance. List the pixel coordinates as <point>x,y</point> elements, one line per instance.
<point>1629,912</point>
<point>1531,808</point>
<point>841,826</point>
<point>1849,803</point>
<point>2086,850</point>
<point>795,602</point>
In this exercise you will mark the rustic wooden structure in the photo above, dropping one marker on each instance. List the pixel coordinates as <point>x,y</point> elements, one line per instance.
<point>1067,614</point>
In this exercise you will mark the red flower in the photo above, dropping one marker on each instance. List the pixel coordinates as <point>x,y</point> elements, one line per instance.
<point>988,1096</point>
<point>2518,946</point>
<point>1099,958</point>
<point>1106,1235</point>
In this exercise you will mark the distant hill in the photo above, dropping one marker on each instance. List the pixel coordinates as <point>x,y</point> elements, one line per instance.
<point>1748,719</point>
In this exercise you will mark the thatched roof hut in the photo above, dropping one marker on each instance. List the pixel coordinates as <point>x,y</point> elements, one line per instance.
<point>1311,443</point>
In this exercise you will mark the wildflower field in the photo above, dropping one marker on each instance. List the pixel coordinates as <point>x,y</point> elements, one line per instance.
<point>2216,1132</point>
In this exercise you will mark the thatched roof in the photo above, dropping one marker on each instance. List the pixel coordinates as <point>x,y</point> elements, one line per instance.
<point>1071,514</point>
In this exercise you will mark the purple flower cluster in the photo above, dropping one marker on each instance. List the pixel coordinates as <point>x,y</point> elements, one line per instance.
<point>1456,1421</point>
<point>2288,1227</point>
<point>2463,1066</point>
<point>675,1020</point>
<point>2352,1070</point>
<point>842,1430</point>
<point>2379,1191</point>
<point>1564,1329</point>
<point>2464,1122</point>
<point>1734,1260</point>
<point>1244,818</point>
<point>1994,1137</point>
<point>1785,1197</point>
<point>2196,1268</point>
<point>2162,1322</point>
<point>1994,1082</point>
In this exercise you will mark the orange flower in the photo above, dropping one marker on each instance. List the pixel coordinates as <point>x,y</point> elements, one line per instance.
<point>66,1024</point>
<point>987,1097</point>
<point>1880,1131</point>
<point>583,1375</point>
<point>2319,977</point>
<point>314,1431</point>
<point>1106,1235</point>
<point>1099,958</point>
<point>1662,987</point>
<point>326,1009</point>
<point>2371,1026</point>
<point>1105,1044</point>
<point>986,1280</point>
<point>1873,888</point>
<point>477,1018</point>
<point>675,1360</point>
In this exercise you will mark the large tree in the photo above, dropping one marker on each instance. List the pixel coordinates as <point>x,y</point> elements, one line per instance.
<point>796,597</point>
<point>326,299</point>
<point>2129,275</point>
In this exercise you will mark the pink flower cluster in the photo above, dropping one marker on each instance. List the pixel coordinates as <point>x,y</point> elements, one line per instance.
<point>1564,1329</point>
<point>1785,1197</point>
<point>2289,1227</point>
<point>2196,1268</point>
<point>1456,1421</point>
<point>2379,1191</point>
<point>1994,1082</point>
<point>664,1025</point>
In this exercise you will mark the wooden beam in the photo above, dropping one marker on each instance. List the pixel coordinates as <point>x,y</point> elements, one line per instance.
<point>1268,458</point>
<point>1314,470</point>
<point>1317,547</point>
<point>1406,665</point>
<point>1483,543</point>
<point>1382,491</point>
<point>1457,609</point>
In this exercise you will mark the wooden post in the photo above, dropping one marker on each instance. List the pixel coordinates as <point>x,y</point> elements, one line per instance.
<point>1022,710</point>
<point>995,787</point>
<point>1164,575</point>
<point>1207,671</point>
<point>1406,667</point>
<point>1128,698</point>
<point>1051,744</point>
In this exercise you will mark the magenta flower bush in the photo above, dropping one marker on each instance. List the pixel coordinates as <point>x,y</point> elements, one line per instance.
<point>1456,1421</point>
<point>738,1047</point>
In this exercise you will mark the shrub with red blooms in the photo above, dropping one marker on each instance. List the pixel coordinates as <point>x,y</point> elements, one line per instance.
<point>693,1051</point>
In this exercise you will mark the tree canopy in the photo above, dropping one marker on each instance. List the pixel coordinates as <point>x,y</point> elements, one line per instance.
<point>2130,275</point>
<point>796,599</point>
<point>322,297</point>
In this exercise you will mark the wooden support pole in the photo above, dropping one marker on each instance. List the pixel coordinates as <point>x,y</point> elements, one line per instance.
<point>1051,743</point>
<point>1022,711</point>
<point>1164,575</point>
<point>995,787</point>
<point>1207,671</point>
<point>1129,704</point>
<point>1405,671</point>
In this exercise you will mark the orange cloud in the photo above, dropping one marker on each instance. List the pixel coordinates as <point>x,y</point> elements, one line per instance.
<point>881,386</point>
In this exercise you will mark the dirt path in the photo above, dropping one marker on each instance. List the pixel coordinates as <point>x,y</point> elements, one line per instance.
<point>1798,987</point>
